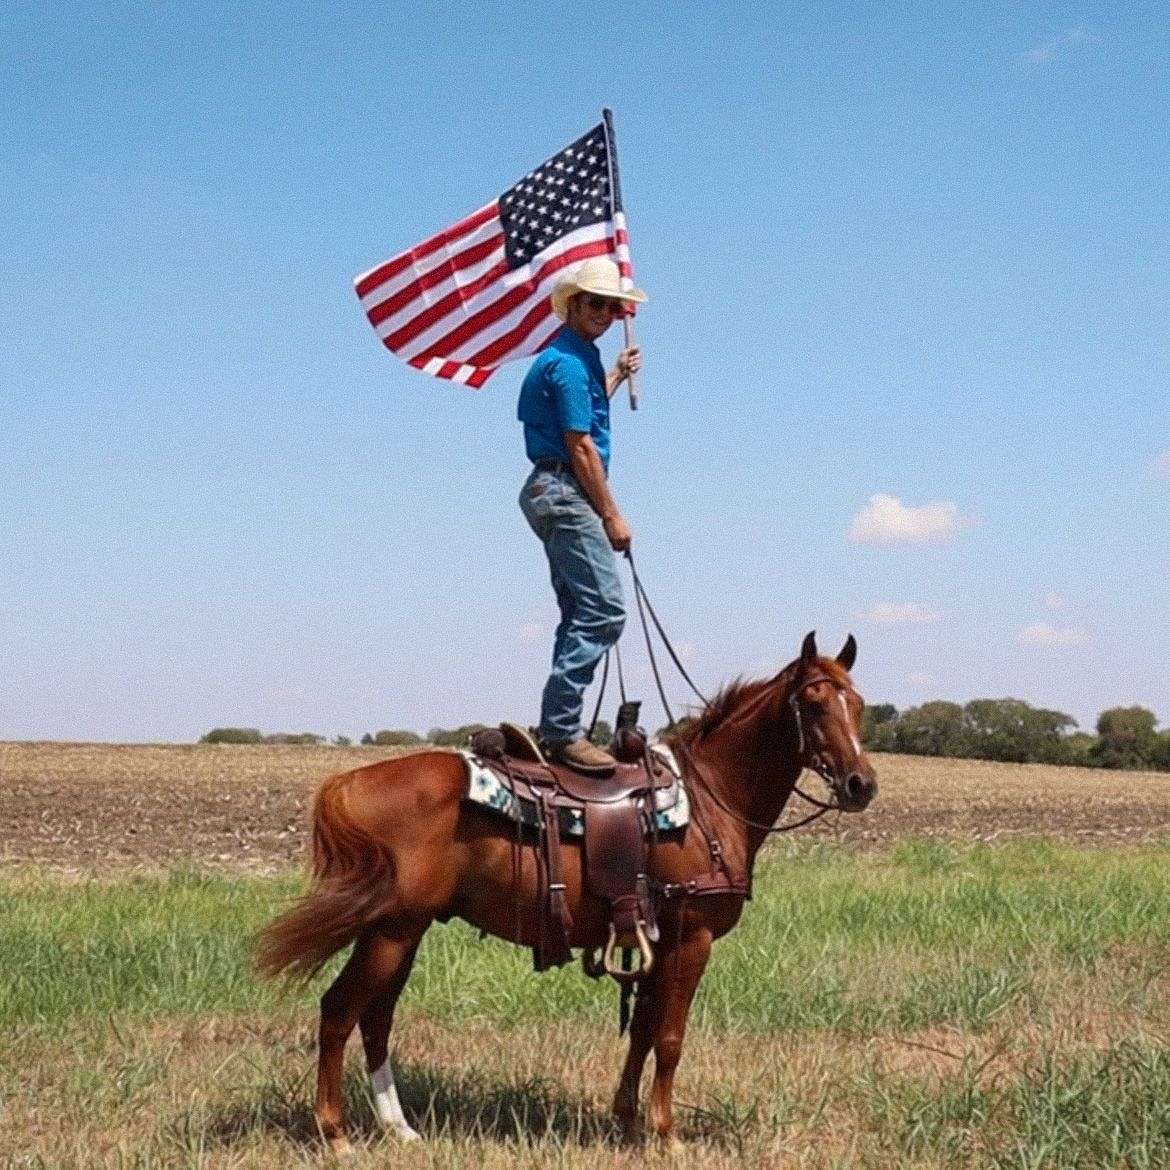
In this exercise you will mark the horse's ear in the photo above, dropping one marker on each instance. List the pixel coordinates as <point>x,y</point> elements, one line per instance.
<point>848,655</point>
<point>808,648</point>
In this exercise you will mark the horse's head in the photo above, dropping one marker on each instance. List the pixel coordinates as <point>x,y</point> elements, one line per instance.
<point>827,712</point>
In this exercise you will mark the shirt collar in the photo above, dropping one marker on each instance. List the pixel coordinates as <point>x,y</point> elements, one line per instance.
<point>571,340</point>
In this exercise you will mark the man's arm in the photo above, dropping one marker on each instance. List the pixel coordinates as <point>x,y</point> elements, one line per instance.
<point>590,474</point>
<point>628,362</point>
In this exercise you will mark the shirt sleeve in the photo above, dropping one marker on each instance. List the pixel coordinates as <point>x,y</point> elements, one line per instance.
<point>568,382</point>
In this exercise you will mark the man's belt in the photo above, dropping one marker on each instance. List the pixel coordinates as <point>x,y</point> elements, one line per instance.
<point>552,465</point>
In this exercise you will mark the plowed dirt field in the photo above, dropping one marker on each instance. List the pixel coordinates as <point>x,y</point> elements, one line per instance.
<point>93,806</point>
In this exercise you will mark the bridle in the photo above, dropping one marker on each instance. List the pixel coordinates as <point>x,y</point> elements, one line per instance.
<point>817,761</point>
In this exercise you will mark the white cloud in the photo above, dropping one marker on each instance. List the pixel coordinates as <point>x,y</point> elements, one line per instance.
<point>886,520</point>
<point>1048,49</point>
<point>1161,465</point>
<point>533,632</point>
<point>890,613</point>
<point>1042,634</point>
<point>921,681</point>
<point>1055,602</point>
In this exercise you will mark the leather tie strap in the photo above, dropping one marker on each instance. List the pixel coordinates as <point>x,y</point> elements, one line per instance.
<point>560,919</point>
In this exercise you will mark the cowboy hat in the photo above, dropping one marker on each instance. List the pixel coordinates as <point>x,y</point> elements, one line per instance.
<point>599,276</point>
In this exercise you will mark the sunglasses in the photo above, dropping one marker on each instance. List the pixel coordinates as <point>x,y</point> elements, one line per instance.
<point>600,304</point>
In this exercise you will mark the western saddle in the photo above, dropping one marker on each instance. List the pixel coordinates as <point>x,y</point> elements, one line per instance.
<point>618,812</point>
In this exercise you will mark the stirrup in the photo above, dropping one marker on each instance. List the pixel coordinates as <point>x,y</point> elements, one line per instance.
<point>644,949</point>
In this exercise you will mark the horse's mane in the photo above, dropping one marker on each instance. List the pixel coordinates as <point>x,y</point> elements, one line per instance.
<point>728,699</point>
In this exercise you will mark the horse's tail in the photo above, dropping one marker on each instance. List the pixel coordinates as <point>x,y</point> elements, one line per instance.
<point>353,879</point>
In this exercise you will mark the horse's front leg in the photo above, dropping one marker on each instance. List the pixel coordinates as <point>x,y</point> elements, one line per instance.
<point>643,1026</point>
<point>678,981</point>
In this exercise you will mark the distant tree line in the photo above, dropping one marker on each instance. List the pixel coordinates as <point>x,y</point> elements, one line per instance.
<point>1008,730</point>
<point>1013,731</point>
<point>252,735</point>
<point>455,736</point>
<point>436,737</point>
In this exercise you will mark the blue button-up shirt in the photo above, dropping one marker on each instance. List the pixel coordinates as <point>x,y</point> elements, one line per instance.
<point>564,391</point>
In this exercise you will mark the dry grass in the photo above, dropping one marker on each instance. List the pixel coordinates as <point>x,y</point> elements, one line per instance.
<point>225,1093</point>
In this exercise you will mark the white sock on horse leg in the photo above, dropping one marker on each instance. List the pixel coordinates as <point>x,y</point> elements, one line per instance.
<point>386,1103</point>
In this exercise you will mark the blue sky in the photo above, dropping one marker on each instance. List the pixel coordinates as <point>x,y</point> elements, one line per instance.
<point>906,356</point>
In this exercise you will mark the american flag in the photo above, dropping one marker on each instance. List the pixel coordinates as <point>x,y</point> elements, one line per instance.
<point>476,295</point>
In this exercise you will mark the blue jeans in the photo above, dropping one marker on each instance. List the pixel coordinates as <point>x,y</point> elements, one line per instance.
<point>589,594</point>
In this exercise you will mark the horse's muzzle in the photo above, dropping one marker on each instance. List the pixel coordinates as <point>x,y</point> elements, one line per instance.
<point>855,792</point>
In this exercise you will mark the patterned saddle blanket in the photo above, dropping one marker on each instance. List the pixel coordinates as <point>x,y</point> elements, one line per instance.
<point>489,787</point>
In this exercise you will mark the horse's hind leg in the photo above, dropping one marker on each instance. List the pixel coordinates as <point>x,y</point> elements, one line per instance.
<point>375,1024</point>
<point>377,958</point>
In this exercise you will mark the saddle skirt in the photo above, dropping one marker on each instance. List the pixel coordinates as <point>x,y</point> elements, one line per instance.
<point>510,789</point>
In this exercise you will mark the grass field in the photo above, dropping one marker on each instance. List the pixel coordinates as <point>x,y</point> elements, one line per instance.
<point>933,1004</point>
<point>920,998</point>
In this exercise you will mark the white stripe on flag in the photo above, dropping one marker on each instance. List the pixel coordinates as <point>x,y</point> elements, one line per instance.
<point>432,296</point>
<point>508,322</point>
<point>529,344</point>
<point>429,263</point>
<point>491,295</point>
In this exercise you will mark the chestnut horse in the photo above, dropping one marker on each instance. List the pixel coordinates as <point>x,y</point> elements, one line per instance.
<point>396,846</point>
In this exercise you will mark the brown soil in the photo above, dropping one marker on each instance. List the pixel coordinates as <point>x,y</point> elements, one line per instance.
<point>86,806</point>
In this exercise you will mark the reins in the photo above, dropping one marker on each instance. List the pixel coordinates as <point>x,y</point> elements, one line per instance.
<point>645,607</point>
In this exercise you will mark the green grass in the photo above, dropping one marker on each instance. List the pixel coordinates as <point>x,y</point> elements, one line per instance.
<point>924,935</point>
<point>931,1005</point>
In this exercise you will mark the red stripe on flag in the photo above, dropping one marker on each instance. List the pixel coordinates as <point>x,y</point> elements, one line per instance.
<point>483,373</point>
<point>488,315</point>
<point>437,275</point>
<point>443,306</point>
<point>401,262</point>
<point>493,354</point>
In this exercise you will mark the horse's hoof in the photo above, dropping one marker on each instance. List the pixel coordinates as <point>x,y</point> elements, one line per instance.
<point>339,1147</point>
<point>670,1146</point>
<point>629,1131</point>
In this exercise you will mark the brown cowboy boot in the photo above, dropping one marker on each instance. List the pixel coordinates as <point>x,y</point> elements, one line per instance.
<point>582,756</point>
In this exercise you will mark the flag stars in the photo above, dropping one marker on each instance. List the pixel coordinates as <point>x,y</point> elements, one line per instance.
<point>566,193</point>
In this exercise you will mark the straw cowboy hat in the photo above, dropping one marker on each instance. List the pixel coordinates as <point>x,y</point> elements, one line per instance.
<point>599,276</point>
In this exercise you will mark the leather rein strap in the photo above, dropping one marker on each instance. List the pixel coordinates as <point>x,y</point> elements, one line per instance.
<point>720,880</point>
<point>818,765</point>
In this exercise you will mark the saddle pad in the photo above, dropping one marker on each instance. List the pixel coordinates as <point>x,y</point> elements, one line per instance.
<point>673,810</point>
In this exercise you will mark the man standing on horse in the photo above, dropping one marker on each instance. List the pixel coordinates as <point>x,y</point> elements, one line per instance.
<point>564,406</point>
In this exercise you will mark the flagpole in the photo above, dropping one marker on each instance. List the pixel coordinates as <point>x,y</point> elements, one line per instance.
<point>614,201</point>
